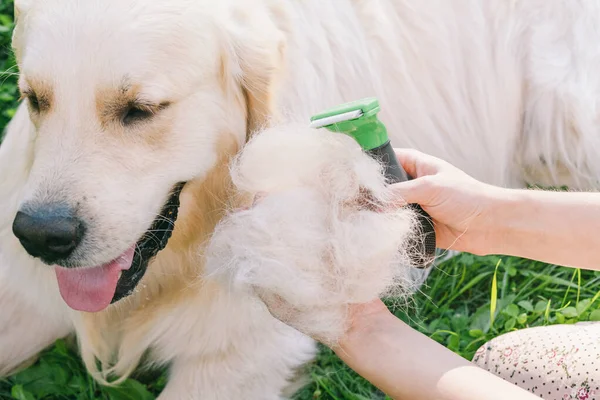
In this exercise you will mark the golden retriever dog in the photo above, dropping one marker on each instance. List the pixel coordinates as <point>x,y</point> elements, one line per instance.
<point>116,169</point>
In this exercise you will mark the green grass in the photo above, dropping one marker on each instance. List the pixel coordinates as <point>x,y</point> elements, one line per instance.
<point>466,301</point>
<point>455,308</point>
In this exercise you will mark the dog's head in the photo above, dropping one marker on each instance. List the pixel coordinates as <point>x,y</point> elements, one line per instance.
<point>130,99</point>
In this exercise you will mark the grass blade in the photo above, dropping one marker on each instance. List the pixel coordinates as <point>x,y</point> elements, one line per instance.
<point>494,295</point>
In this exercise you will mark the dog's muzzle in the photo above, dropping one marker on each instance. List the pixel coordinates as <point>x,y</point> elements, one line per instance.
<point>154,240</point>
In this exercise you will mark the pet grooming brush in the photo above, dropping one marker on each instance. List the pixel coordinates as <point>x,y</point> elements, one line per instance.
<point>359,120</point>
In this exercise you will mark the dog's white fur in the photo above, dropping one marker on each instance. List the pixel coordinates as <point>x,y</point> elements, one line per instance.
<point>506,90</point>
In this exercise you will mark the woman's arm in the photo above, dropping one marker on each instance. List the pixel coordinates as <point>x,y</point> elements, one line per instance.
<point>555,227</point>
<point>406,364</point>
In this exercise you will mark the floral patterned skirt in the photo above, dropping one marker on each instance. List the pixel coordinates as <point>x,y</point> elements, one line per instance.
<point>557,362</point>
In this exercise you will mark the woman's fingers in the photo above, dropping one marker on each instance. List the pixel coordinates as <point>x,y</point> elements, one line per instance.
<point>418,164</point>
<point>410,192</point>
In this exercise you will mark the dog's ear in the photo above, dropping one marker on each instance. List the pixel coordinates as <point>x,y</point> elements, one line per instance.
<point>261,67</point>
<point>258,48</point>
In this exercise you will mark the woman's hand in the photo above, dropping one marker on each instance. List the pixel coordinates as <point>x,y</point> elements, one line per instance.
<point>459,204</point>
<point>406,364</point>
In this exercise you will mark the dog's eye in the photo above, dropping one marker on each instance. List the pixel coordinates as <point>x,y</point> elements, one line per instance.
<point>35,103</point>
<point>135,114</point>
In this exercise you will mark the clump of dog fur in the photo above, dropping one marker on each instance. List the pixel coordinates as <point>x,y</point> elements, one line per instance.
<point>320,230</point>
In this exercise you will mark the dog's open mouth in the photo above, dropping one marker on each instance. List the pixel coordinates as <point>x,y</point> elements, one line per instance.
<point>94,289</point>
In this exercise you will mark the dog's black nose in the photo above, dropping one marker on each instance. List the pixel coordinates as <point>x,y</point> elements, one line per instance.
<point>49,235</point>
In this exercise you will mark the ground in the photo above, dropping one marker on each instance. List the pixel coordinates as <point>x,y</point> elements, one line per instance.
<point>455,308</point>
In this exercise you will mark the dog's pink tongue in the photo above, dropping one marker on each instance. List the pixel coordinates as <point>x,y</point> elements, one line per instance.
<point>92,289</point>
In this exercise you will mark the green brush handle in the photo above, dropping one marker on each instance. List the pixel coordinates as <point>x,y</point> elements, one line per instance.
<point>395,174</point>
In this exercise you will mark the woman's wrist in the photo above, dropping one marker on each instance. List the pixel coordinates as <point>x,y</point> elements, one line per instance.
<point>372,347</point>
<point>365,321</point>
<point>503,214</point>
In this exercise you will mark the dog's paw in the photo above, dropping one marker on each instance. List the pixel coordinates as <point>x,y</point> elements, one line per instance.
<point>322,232</point>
